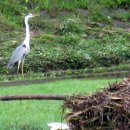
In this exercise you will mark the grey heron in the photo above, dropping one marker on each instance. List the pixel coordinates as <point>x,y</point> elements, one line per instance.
<point>23,49</point>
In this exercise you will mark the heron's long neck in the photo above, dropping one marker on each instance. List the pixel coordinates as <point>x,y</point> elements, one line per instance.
<point>27,38</point>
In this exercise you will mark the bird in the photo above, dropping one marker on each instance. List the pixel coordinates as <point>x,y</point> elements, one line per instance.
<point>19,54</point>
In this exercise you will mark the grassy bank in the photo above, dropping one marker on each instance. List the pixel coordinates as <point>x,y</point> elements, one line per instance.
<point>97,35</point>
<point>90,46</point>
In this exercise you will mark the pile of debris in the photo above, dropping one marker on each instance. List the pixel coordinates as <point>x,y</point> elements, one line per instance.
<point>107,109</point>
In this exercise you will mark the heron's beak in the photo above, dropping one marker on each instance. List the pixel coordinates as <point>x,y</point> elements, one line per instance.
<point>34,15</point>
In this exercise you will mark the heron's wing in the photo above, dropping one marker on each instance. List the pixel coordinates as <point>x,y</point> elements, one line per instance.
<point>17,55</point>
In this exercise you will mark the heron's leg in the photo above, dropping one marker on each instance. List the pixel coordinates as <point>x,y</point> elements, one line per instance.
<point>18,66</point>
<point>22,65</point>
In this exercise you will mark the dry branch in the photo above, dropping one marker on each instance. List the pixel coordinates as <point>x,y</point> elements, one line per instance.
<point>33,97</point>
<point>108,109</point>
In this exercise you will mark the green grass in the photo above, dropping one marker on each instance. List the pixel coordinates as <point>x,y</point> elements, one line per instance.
<point>90,44</point>
<point>34,115</point>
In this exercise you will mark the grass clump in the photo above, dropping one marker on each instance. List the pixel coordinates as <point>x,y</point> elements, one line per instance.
<point>70,26</point>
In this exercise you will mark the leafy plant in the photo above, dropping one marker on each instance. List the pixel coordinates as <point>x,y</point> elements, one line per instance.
<point>70,25</point>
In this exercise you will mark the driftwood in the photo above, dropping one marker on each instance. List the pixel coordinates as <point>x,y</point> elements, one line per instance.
<point>33,97</point>
<point>108,109</point>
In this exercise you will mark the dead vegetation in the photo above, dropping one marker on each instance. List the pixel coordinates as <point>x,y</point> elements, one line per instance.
<point>105,110</point>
